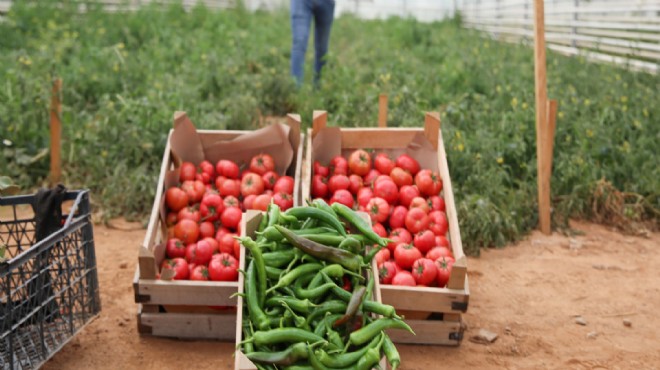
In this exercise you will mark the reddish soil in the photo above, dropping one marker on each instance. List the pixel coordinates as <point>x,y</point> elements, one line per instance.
<point>529,294</point>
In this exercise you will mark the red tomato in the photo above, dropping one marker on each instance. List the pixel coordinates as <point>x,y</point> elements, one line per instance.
<point>408,163</point>
<point>237,249</point>
<point>262,201</point>
<point>176,199</point>
<point>419,202</point>
<point>262,163</point>
<point>194,189</point>
<point>416,220</point>
<point>200,273</point>
<point>211,207</point>
<point>438,252</point>
<point>320,169</point>
<point>386,190</point>
<point>436,203</point>
<point>371,177</point>
<point>171,219</point>
<point>406,194</point>
<point>442,241</point>
<point>382,256</point>
<point>284,185</point>
<point>438,223</point>
<point>398,235</point>
<point>187,231</point>
<point>231,217</point>
<point>356,184</point>
<point>424,271</point>
<point>248,201</point>
<point>359,162</point>
<point>187,172</point>
<point>342,196</point>
<point>429,183</point>
<point>338,182</point>
<point>199,253</point>
<point>189,213</point>
<point>252,184</point>
<point>179,265</point>
<point>404,278</point>
<point>221,232</point>
<point>227,169</point>
<point>379,229</point>
<point>444,270</point>
<point>364,195</point>
<point>383,163</point>
<point>226,243</point>
<point>386,272</point>
<point>223,267</point>
<point>203,177</point>
<point>175,248</point>
<point>401,177</point>
<point>319,187</point>
<point>229,187</point>
<point>338,166</point>
<point>270,178</point>
<point>424,241</point>
<point>214,244</point>
<point>378,209</point>
<point>405,255</point>
<point>283,200</point>
<point>206,229</point>
<point>231,201</point>
<point>207,168</point>
<point>347,284</point>
<point>398,217</point>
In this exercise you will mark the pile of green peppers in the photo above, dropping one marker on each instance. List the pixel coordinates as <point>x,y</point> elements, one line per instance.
<point>307,293</point>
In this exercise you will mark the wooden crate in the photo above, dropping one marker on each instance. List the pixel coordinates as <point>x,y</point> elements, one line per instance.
<point>250,223</point>
<point>433,313</point>
<point>190,309</point>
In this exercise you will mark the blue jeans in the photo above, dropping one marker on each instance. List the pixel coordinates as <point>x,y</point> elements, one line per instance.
<point>302,12</point>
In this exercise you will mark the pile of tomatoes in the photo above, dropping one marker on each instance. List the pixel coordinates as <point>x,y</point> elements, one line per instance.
<point>204,214</point>
<point>405,205</point>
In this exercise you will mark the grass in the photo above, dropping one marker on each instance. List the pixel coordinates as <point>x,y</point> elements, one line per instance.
<point>126,73</point>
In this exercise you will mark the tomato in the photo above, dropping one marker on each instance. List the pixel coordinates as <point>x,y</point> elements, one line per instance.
<point>237,249</point>
<point>200,273</point>
<point>189,213</point>
<point>444,266</point>
<point>284,184</point>
<point>371,177</point>
<point>211,207</point>
<point>386,272</point>
<point>342,196</point>
<point>416,220</point>
<point>215,246</point>
<point>270,178</point>
<point>386,190</point>
<point>199,253</point>
<point>206,229</point>
<point>229,187</point>
<point>175,248</point>
<point>338,166</point>
<point>226,243</point>
<point>171,219</point>
<point>262,201</point>
<point>438,252</point>
<point>436,203</point>
<point>379,229</point>
<point>207,168</point>
<point>221,232</point>
<point>405,255</point>
<point>320,169</point>
<point>382,256</point>
<point>403,278</point>
<point>398,217</point>
<point>231,217</point>
<point>408,163</point>
<point>438,223</point>
<point>364,195</point>
<point>262,163</point>
<point>359,162</point>
<point>383,163</point>
<point>176,199</point>
<point>231,201</point>
<point>223,267</point>
<point>429,183</point>
<point>194,189</point>
<point>424,271</point>
<point>203,177</point>
<point>398,235</point>
<point>442,241</point>
<point>401,177</point>
<point>338,182</point>
<point>406,194</point>
<point>179,265</point>
<point>252,184</point>
<point>378,209</point>
<point>319,187</point>
<point>424,241</point>
<point>187,231</point>
<point>356,184</point>
<point>283,200</point>
<point>187,172</point>
<point>419,202</point>
<point>227,168</point>
<point>248,202</point>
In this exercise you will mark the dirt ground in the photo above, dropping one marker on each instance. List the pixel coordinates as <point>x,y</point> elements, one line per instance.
<point>529,294</point>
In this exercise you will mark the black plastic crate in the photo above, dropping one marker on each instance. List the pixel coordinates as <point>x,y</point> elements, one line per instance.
<point>48,290</point>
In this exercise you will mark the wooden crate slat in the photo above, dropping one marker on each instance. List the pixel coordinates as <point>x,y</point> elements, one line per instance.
<point>185,292</point>
<point>188,326</point>
<point>437,332</point>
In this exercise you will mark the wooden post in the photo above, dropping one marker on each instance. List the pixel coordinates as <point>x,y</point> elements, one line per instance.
<point>382,110</point>
<point>55,133</point>
<point>541,116</point>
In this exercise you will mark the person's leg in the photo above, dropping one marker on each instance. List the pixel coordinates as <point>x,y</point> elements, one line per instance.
<point>324,12</point>
<point>301,17</point>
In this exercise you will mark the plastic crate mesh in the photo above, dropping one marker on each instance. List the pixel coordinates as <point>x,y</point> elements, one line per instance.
<point>48,291</point>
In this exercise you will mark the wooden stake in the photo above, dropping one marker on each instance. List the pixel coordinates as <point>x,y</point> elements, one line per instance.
<point>382,110</point>
<point>541,116</point>
<point>55,133</point>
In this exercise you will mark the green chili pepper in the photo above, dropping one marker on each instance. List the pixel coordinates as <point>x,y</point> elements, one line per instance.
<point>335,271</point>
<point>319,291</point>
<point>299,367</point>
<point>325,239</point>
<point>289,356</point>
<point>273,273</point>
<point>292,275</point>
<point>334,255</point>
<point>273,214</point>
<point>308,223</point>
<point>322,205</point>
<point>257,315</point>
<point>391,352</point>
<point>368,306</point>
<point>302,306</point>
<point>247,334</point>
<point>353,305</point>
<point>309,212</point>
<point>369,359</point>
<point>285,335</point>
<point>334,338</point>
<point>259,265</point>
<point>332,306</point>
<point>345,359</point>
<point>351,244</point>
<point>300,322</point>
<point>372,253</point>
<point>366,333</point>
<point>359,223</point>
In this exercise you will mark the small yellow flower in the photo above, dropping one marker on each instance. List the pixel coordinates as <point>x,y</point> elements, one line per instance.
<point>500,160</point>
<point>498,88</point>
<point>51,25</point>
<point>624,99</point>
<point>385,78</point>
<point>574,100</point>
<point>115,67</point>
<point>514,102</point>
<point>397,99</point>
<point>590,133</point>
<point>637,124</point>
<point>625,147</point>
<point>477,156</point>
<point>624,108</point>
<point>204,57</point>
<point>568,138</point>
<point>121,45</point>
<point>101,31</point>
<point>461,147</point>
<point>645,112</point>
<point>104,153</point>
<point>457,134</point>
<point>524,106</point>
<point>124,54</point>
<point>560,115</point>
<point>587,102</point>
